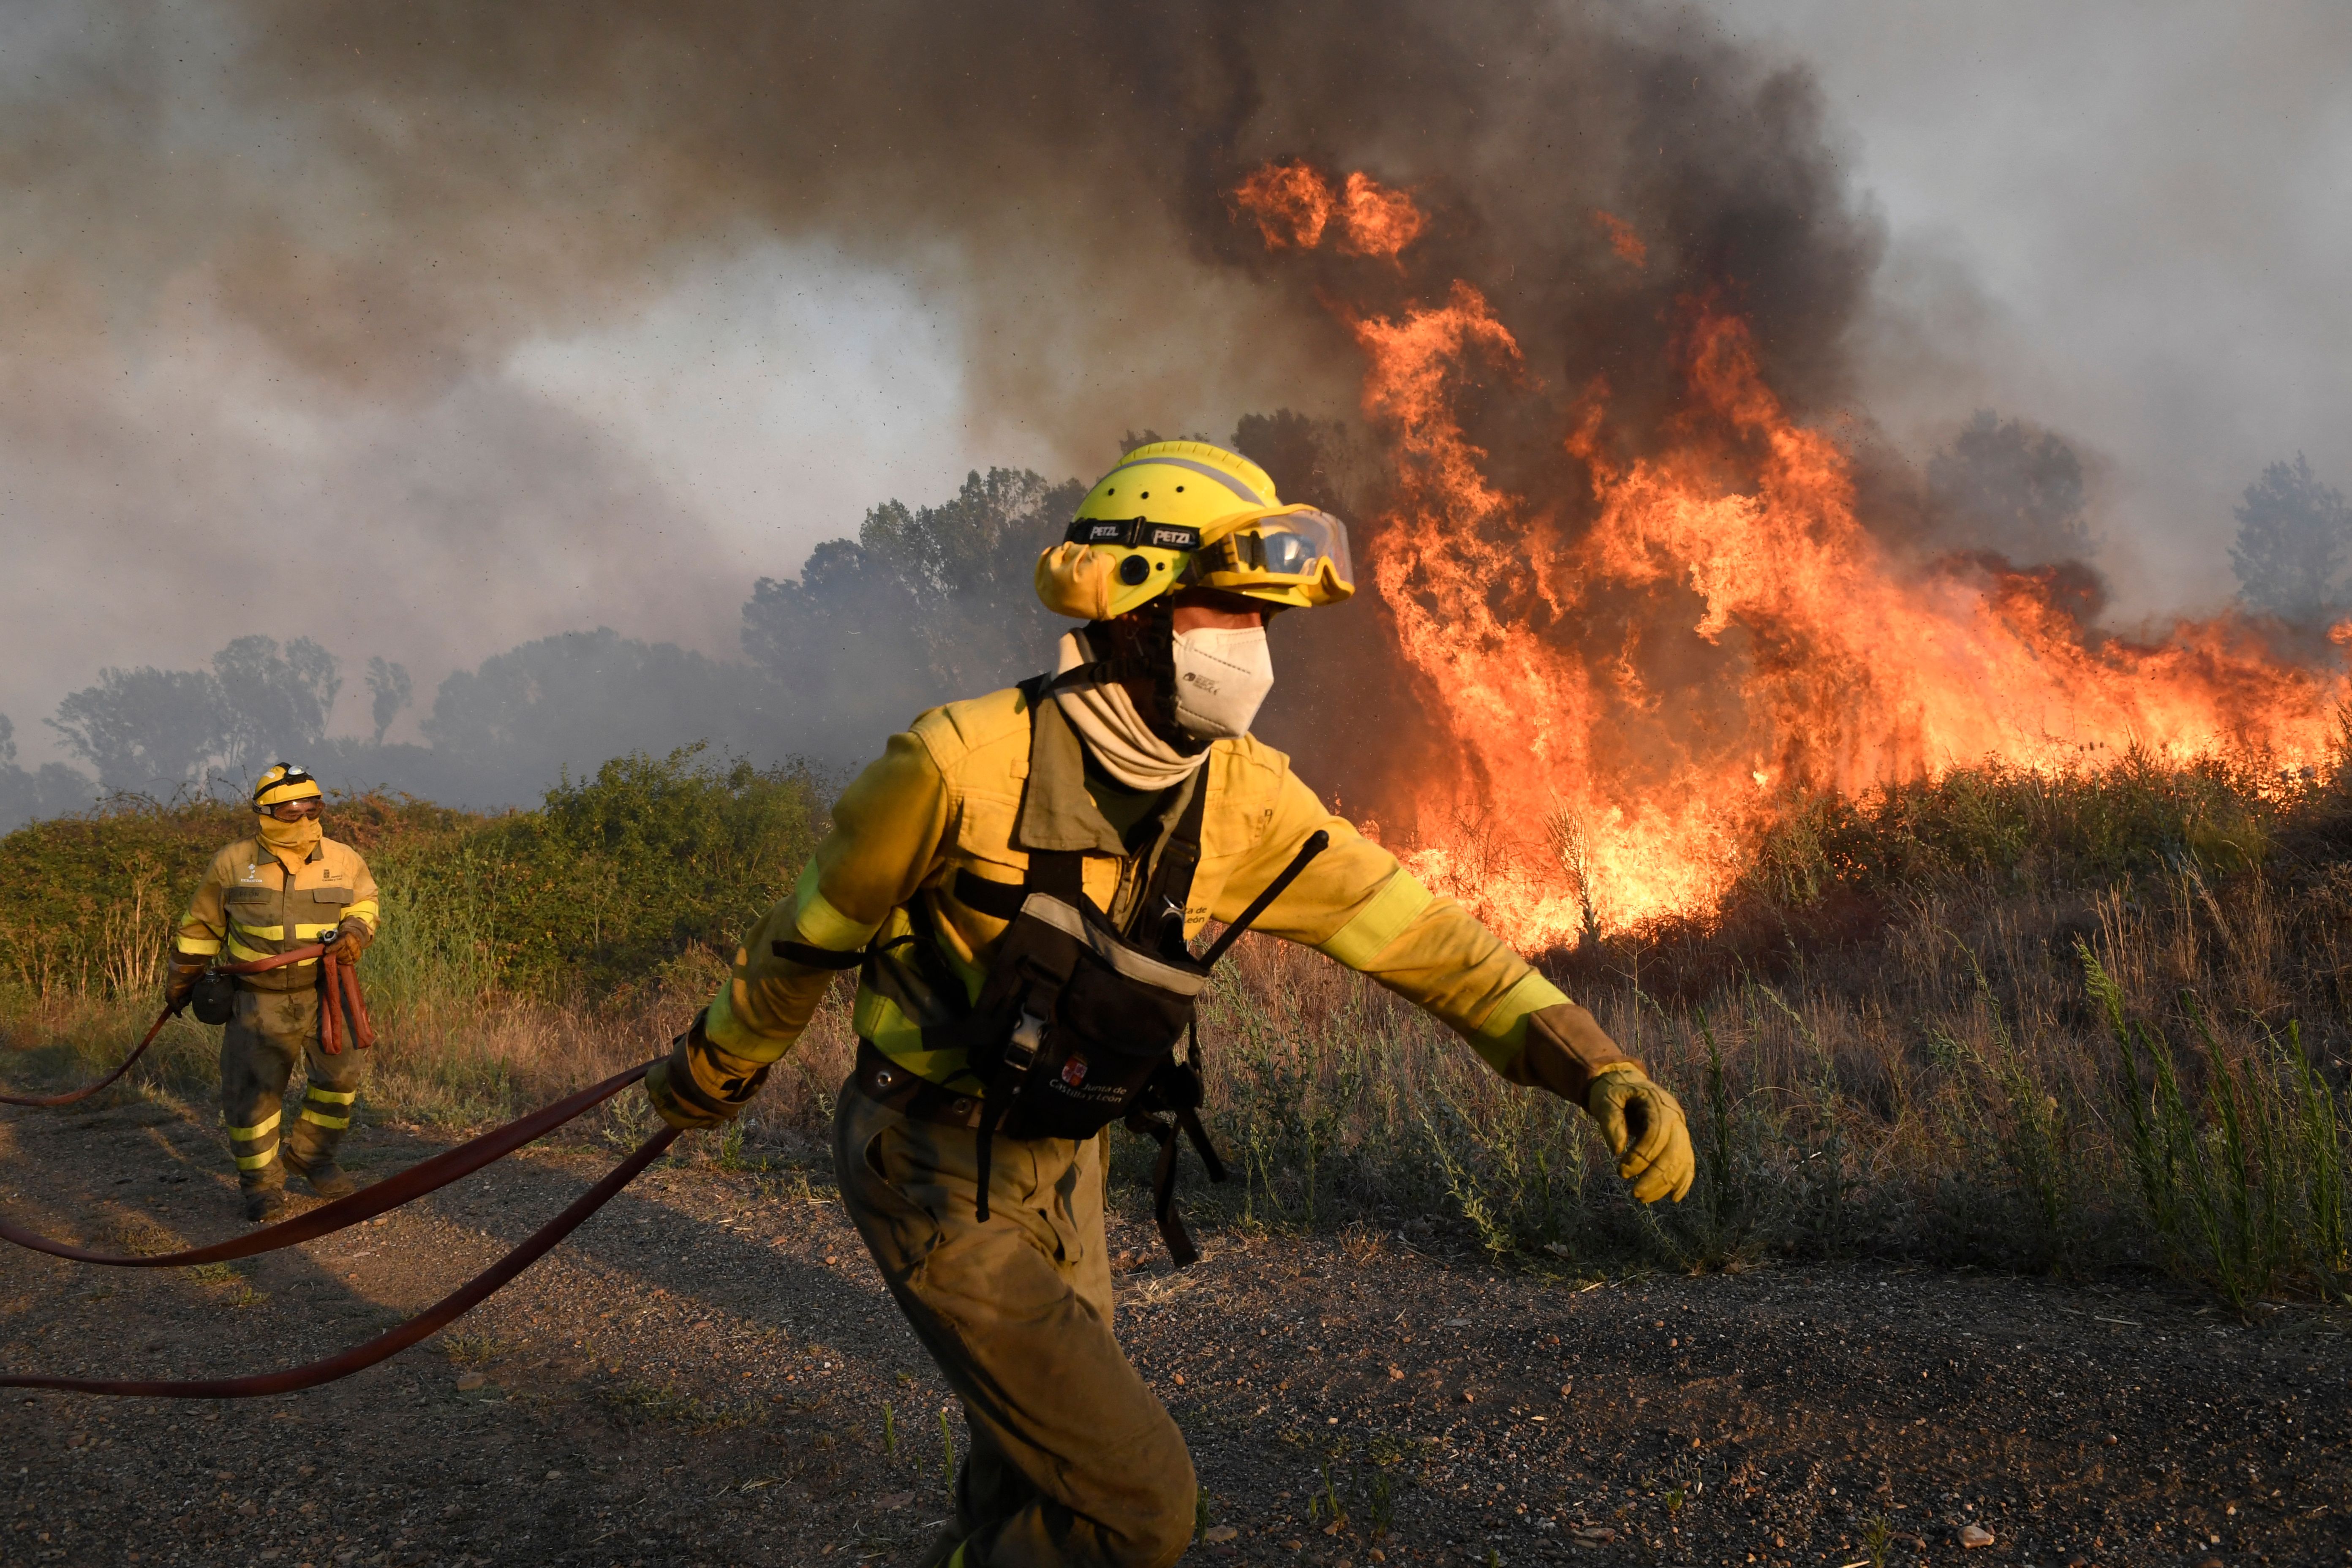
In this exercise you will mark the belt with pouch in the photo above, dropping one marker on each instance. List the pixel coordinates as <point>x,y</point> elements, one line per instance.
<point>911,1094</point>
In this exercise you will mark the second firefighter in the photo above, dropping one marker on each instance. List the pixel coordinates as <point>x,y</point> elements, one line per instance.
<point>286,886</point>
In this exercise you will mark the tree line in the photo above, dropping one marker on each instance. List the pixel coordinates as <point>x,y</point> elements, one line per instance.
<point>926,604</point>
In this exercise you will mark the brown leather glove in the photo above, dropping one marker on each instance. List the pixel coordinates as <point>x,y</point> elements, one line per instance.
<point>181,983</point>
<point>697,1086</point>
<point>352,938</point>
<point>1566,1045</point>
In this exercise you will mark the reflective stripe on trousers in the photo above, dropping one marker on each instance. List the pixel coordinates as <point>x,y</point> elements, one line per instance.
<point>269,1031</point>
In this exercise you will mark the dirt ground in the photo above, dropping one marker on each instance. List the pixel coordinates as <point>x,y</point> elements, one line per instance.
<point>710,1372</point>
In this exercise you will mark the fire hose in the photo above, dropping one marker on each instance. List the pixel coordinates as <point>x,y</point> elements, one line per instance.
<point>84,1092</point>
<point>428,1175</point>
<point>340,979</point>
<point>358,1357</point>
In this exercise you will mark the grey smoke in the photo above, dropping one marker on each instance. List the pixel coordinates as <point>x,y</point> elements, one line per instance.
<point>300,290</point>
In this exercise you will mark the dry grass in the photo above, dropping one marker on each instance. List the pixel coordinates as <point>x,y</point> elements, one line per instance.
<point>1890,1044</point>
<point>1952,1090</point>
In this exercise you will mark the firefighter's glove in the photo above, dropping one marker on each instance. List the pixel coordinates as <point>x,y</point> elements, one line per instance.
<point>1643,1125</point>
<point>698,1085</point>
<point>352,938</point>
<point>181,983</point>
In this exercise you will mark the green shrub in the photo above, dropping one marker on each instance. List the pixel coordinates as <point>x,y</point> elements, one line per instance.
<point>616,877</point>
<point>2004,825</point>
<point>597,893</point>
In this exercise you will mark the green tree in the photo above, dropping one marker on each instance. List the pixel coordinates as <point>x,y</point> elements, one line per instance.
<point>157,731</point>
<point>147,730</point>
<point>2292,532</point>
<point>2009,487</point>
<point>500,732</point>
<point>27,796</point>
<point>389,691</point>
<point>274,703</point>
<point>925,605</point>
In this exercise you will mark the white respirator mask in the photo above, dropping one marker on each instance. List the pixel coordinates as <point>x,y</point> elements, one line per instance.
<point>1223,674</point>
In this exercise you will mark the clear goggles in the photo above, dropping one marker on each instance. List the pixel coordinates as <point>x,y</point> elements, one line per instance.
<point>1306,544</point>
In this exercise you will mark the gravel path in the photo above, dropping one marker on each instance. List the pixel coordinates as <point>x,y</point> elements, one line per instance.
<point>710,1372</point>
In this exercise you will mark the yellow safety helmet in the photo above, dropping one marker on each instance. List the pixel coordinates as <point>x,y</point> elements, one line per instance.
<point>286,782</point>
<point>1184,514</point>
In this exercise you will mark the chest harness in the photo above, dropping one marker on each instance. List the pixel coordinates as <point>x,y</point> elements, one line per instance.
<point>1077,1020</point>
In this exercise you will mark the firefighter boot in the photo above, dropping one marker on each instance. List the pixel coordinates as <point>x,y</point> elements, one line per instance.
<point>310,1153</point>
<point>264,1191</point>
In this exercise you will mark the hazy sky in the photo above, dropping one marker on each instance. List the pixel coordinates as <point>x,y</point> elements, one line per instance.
<point>2129,222</point>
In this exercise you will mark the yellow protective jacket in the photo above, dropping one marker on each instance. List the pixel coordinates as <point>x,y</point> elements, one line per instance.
<point>954,793</point>
<point>249,905</point>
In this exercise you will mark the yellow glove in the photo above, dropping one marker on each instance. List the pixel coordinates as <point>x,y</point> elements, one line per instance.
<point>712,1096</point>
<point>1643,1125</point>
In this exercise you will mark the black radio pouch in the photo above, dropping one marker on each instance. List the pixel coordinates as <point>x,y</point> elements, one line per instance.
<point>1077,1025</point>
<point>1077,1021</point>
<point>214,999</point>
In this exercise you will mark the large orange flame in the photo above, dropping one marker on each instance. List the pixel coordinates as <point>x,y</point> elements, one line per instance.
<point>1293,204</point>
<point>1601,791</point>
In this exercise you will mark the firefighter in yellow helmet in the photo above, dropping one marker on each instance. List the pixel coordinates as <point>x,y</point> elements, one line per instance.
<point>286,886</point>
<point>1016,878</point>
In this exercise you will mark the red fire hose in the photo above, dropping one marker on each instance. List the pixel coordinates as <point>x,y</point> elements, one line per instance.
<point>432,1320</point>
<point>364,1033</point>
<point>341,979</point>
<point>341,982</point>
<point>428,1175</point>
<point>87,1090</point>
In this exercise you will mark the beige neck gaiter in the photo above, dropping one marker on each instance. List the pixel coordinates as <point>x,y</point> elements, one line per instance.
<point>291,842</point>
<point>1104,716</point>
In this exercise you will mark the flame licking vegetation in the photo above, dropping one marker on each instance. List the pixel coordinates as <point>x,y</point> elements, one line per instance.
<point>1649,682</point>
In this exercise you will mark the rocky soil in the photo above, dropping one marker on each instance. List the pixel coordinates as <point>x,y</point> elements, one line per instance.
<point>710,1372</point>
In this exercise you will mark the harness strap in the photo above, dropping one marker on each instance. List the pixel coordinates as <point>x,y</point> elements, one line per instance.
<point>809,957</point>
<point>1178,1240</point>
<point>1012,1066</point>
<point>998,900</point>
<point>1189,1119</point>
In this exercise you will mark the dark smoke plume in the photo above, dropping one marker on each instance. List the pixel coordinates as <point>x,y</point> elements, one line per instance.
<point>492,169</point>
<point>388,199</point>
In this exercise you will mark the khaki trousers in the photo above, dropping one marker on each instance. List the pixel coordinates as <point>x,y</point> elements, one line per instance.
<point>269,1032</point>
<point>1072,1459</point>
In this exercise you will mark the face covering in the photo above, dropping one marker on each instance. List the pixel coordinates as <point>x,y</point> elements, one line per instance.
<point>289,840</point>
<point>1122,744</point>
<point>1223,674</point>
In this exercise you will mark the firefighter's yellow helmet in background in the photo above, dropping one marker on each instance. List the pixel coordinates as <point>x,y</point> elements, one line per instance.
<point>1185,514</point>
<point>281,783</point>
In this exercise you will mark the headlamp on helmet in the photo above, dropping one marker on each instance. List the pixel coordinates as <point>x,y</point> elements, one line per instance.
<point>1185,514</point>
<point>284,783</point>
